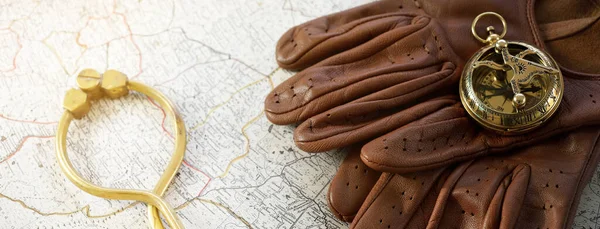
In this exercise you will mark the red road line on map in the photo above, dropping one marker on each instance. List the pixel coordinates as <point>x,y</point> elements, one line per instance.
<point>184,161</point>
<point>14,61</point>
<point>129,35</point>
<point>87,23</point>
<point>163,118</point>
<point>131,39</point>
<point>27,121</point>
<point>200,171</point>
<point>20,146</point>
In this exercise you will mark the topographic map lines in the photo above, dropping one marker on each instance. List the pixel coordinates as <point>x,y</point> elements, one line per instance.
<point>215,61</point>
<point>216,80</point>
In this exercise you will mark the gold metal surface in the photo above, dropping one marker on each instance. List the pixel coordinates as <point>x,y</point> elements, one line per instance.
<point>75,105</point>
<point>77,102</point>
<point>489,28</point>
<point>88,80</point>
<point>510,87</point>
<point>114,84</point>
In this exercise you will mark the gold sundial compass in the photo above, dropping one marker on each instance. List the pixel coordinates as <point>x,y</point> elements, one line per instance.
<point>510,87</point>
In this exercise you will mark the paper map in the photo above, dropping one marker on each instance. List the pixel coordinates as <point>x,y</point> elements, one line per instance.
<point>215,61</point>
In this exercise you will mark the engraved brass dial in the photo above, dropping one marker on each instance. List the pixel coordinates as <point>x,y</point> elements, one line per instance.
<point>509,87</point>
<point>494,90</point>
<point>488,93</point>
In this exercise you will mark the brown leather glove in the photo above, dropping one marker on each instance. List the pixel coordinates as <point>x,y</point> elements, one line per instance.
<point>355,180</point>
<point>535,187</point>
<point>371,64</point>
<point>377,69</point>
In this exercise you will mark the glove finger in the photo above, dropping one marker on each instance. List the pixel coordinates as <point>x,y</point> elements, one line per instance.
<point>447,137</point>
<point>361,121</point>
<point>580,106</point>
<point>316,40</point>
<point>400,55</point>
<point>441,138</point>
<point>487,193</point>
<point>561,168</point>
<point>396,201</point>
<point>350,186</point>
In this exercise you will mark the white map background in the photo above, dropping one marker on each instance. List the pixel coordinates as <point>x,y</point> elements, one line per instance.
<point>215,61</point>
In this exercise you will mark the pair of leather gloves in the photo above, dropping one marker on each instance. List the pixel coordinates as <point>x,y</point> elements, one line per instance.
<point>382,79</point>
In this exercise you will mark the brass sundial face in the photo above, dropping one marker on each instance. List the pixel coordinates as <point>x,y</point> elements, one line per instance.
<point>494,91</point>
<point>510,87</point>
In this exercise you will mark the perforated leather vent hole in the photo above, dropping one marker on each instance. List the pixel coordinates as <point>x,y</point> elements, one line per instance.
<point>277,101</point>
<point>348,184</point>
<point>561,172</point>
<point>478,179</point>
<point>400,7</point>
<point>356,167</point>
<point>394,207</point>
<point>426,50</point>
<point>295,45</point>
<point>467,191</point>
<point>386,147</point>
<point>356,187</point>
<point>380,221</point>
<point>550,170</point>
<point>556,186</point>
<point>292,87</point>
<point>403,192</point>
<point>463,211</point>
<point>410,198</point>
<point>476,194</point>
<point>472,214</point>
<point>365,171</point>
<point>547,185</point>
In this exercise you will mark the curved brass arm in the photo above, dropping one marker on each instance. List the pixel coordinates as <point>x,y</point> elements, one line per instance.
<point>114,84</point>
